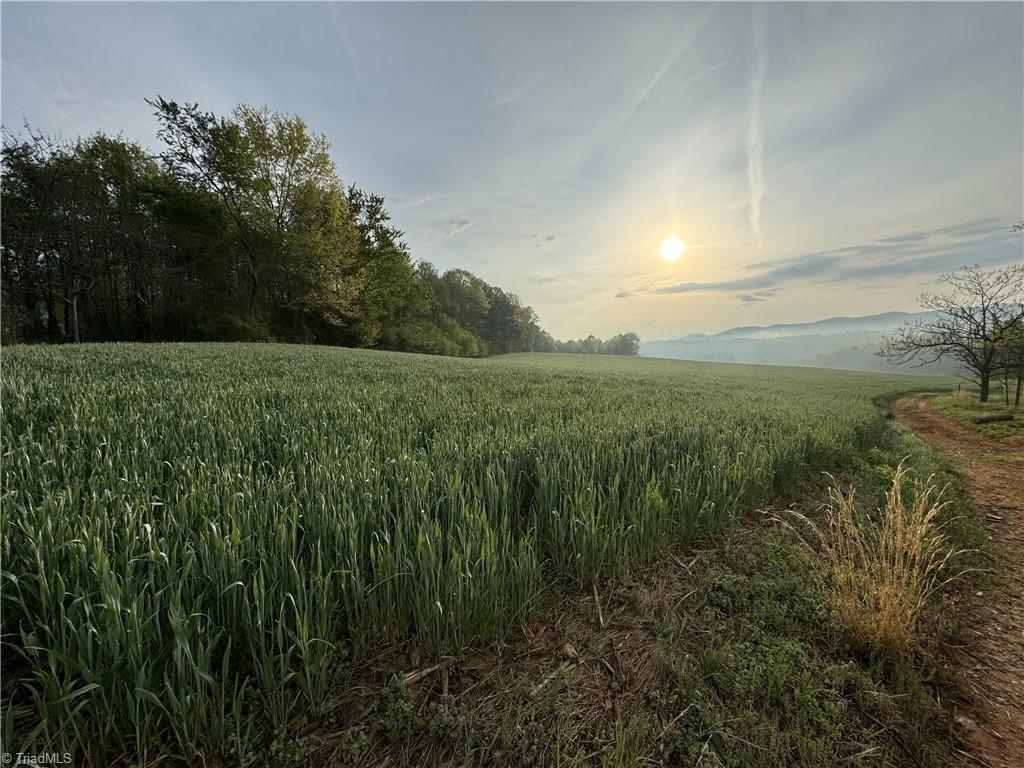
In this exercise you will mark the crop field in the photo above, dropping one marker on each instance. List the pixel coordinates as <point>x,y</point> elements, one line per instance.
<point>196,537</point>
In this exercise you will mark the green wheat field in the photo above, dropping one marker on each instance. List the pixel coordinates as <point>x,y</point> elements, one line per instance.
<point>193,533</point>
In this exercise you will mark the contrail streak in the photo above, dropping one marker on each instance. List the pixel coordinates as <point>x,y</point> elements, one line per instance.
<point>755,136</point>
<point>662,71</point>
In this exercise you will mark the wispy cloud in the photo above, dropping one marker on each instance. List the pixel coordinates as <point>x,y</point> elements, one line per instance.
<point>418,201</point>
<point>753,298</point>
<point>539,240</point>
<point>638,102</point>
<point>926,252</point>
<point>708,70</point>
<point>343,28</point>
<point>577,277</point>
<point>755,134</point>
<point>547,279</point>
<point>457,225</point>
<point>516,93</point>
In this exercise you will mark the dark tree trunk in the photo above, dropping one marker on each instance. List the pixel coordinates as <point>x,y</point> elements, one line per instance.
<point>983,396</point>
<point>74,317</point>
<point>254,287</point>
<point>115,296</point>
<point>51,308</point>
<point>33,324</point>
<point>1020,374</point>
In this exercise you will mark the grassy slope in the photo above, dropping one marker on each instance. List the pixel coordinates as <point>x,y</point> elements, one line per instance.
<point>777,636</point>
<point>964,408</point>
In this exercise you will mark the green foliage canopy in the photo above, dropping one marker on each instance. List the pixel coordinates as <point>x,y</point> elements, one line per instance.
<point>240,229</point>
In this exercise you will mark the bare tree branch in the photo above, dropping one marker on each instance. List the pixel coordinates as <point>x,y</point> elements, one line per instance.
<point>973,323</point>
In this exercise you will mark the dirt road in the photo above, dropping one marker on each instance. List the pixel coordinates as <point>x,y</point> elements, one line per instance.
<point>993,474</point>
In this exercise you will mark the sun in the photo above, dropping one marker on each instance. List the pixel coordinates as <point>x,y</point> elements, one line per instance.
<point>672,248</point>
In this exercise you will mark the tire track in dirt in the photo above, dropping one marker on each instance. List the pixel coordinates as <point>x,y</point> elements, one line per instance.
<point>993,662</point>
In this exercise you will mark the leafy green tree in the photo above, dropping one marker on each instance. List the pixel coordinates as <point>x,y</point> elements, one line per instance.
<point>78,232</point>
<point>295,240</point>
<point>388,295</point>
<point>544,342</point>
<point>509,326</point>
<point>239,229</point>
<point>464,297</point>
<point>623,344</point>
<point>30,180</point>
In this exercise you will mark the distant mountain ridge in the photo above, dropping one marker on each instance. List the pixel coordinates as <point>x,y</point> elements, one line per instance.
<point>880,322</point>
<point>835,342</point>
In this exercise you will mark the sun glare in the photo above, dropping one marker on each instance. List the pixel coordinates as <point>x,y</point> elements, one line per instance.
<point>672,248</point>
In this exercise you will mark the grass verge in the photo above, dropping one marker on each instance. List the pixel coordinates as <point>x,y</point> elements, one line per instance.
<point>964,407</point>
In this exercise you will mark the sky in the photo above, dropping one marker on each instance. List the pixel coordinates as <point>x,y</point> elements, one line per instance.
<point>818,159</point>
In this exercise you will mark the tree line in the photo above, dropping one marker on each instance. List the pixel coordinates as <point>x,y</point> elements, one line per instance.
<point>240,229</point>
<point>622,344</point>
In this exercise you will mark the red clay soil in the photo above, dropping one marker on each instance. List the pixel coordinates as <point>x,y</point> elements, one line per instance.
<point>993,474</point>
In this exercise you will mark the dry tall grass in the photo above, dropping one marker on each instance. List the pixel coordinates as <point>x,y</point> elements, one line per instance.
<point>882,568</point>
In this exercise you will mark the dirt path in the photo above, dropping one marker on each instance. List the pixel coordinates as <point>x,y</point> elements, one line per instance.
<point>993,667</point>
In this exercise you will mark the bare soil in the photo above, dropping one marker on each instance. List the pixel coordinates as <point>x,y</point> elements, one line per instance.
<point>992,663</point>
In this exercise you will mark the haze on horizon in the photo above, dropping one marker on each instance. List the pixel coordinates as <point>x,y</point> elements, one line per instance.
<point>818,159</point>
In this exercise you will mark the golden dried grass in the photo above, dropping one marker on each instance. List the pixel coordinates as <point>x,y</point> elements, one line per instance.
<point>882,568</point>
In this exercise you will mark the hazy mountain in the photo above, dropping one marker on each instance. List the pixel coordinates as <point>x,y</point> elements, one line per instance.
<point>836,342</point>
<point>833,325</point>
